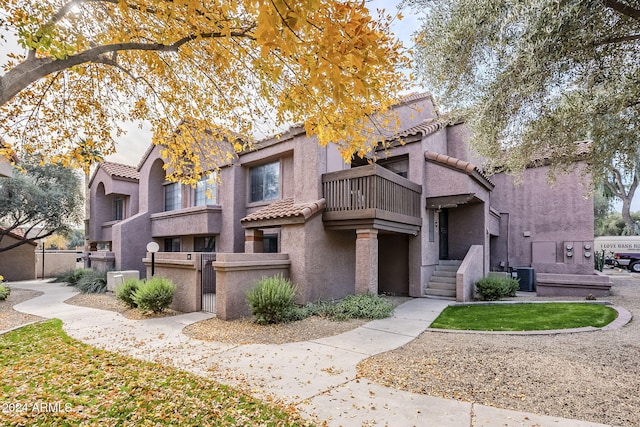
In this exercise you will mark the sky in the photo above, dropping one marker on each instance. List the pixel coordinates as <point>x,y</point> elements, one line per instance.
<point>131,147</point>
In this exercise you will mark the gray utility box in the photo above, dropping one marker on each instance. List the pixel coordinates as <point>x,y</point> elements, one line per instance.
<point>526,278</point>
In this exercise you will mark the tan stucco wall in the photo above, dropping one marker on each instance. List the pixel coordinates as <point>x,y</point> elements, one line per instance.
<point>56,262</point>
<point>322,262</point>
<point>183,272</point>
<point>18,263</point>
<point>535,211</point>
<point>237,273</point>
<point>471,270</point>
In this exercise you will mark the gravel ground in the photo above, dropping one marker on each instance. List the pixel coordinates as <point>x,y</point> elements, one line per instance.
<point>108,301</point>
<point>242,331</point>
<point>9,318</point>
<point>245,331</point>
<point>592,376</point>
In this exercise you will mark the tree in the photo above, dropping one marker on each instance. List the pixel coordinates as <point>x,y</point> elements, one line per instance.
<point>622,184</point>
<point>192,68</point>
<point>536,76</point>
<point>42,200</point>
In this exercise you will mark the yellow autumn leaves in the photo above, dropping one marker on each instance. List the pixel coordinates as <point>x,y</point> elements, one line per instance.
<point>231,70</point>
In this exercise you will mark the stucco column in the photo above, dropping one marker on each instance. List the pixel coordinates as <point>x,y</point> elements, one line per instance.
<point>366,261</point>
<point>253,241</point>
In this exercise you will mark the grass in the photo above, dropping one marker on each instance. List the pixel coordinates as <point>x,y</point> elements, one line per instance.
<point>524,317</point>
<point>48,378</point>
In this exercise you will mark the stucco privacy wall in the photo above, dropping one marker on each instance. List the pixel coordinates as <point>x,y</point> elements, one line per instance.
<point>56,262</point>
<point>182,269</point>
<point>471,270</point>
<point>236,273</point>
<point>18,263</point>
<point>534,211</point>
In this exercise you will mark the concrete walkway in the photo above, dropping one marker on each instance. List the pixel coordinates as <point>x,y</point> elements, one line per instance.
<point>318,376</point>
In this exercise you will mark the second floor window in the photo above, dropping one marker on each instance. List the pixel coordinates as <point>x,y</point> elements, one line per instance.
<point>172,244</point>
<point>207,191</point>
<point>264,182</point>
<point>172,197</point>
<point>118,208</point>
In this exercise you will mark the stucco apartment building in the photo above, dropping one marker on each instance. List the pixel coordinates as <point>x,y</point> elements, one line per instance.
<point>389,226</point>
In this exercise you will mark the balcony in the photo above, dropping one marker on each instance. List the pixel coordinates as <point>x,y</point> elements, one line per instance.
<point>371,197</point>
<point>188,221</point>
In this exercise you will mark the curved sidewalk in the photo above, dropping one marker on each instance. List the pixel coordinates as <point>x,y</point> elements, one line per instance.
<point>318,376</point>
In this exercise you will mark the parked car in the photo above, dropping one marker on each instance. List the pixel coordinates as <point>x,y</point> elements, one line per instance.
<point>628,260</point>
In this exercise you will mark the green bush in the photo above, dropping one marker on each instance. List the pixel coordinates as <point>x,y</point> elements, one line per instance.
<point>71,276</point>
<point>92,282</point>
<point>4,291</point>
<point>494,288</point>
<point>154,295</point>
<point>272,300</point>
<point>363,306</point>
<point>124,292</point>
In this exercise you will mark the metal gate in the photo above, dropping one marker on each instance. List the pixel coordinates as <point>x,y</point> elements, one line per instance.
<point>208,282</point>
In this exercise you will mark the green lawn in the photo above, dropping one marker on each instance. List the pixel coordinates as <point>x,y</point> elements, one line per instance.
<point>48,378</point>
<point>524,317</point>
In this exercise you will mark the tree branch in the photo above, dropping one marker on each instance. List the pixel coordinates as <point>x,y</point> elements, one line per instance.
<point>29,71</point>
<point>622,39</point>
<point>623,9</point>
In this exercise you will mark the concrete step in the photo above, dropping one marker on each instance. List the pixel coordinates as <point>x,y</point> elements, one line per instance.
<point>441,293</point>
<point>449,268</point>
<point>444,273</point>
<point>435,284</point>
<point>444,279</point>
<point>450,262</point>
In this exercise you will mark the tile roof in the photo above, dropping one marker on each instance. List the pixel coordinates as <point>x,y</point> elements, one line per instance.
<point>462,165</point>
<point>427,127</point>
<point>18,234</point>
<point>120,170</point>
<point>415,96</point>
<point>286,209</point>
<point>116,170</point>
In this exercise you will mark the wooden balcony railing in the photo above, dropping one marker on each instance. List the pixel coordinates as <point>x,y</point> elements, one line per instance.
<point>371,193</point>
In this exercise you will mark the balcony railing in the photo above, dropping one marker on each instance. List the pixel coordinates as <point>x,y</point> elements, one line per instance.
<point>371,193</point>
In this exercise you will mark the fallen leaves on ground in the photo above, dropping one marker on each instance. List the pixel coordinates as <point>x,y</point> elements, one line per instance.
<point>48,378</point>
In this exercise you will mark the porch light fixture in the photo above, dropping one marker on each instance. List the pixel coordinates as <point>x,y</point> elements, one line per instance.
<point>153,247</point>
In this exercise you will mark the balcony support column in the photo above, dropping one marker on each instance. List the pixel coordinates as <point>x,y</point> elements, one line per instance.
<point>253,240</point>
<point>366,261</point>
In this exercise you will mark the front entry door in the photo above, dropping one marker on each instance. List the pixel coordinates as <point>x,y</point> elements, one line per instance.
<point>443,221</point>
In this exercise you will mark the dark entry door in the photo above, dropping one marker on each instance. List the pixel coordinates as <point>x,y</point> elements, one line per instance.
<point>443,221</point>
<point>393,264</point>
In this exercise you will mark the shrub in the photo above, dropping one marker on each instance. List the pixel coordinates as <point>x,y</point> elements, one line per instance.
<point>272,300</point>
<point>4,291</point>
<point>71,276</point>
<point>125,291</point>
<point>154,295</point>
<point>495,288</point>
<point>92,282</point>
<point>363,306</point>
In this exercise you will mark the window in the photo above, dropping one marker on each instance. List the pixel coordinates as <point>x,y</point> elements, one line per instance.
<point>118,208</point>
<point>265,182</point>
<point>172,244</point>
<point>204,244</point>
<point>397,165</point>
<point>207,191</point>
<point>270,243</point>
<point>172,197</point>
